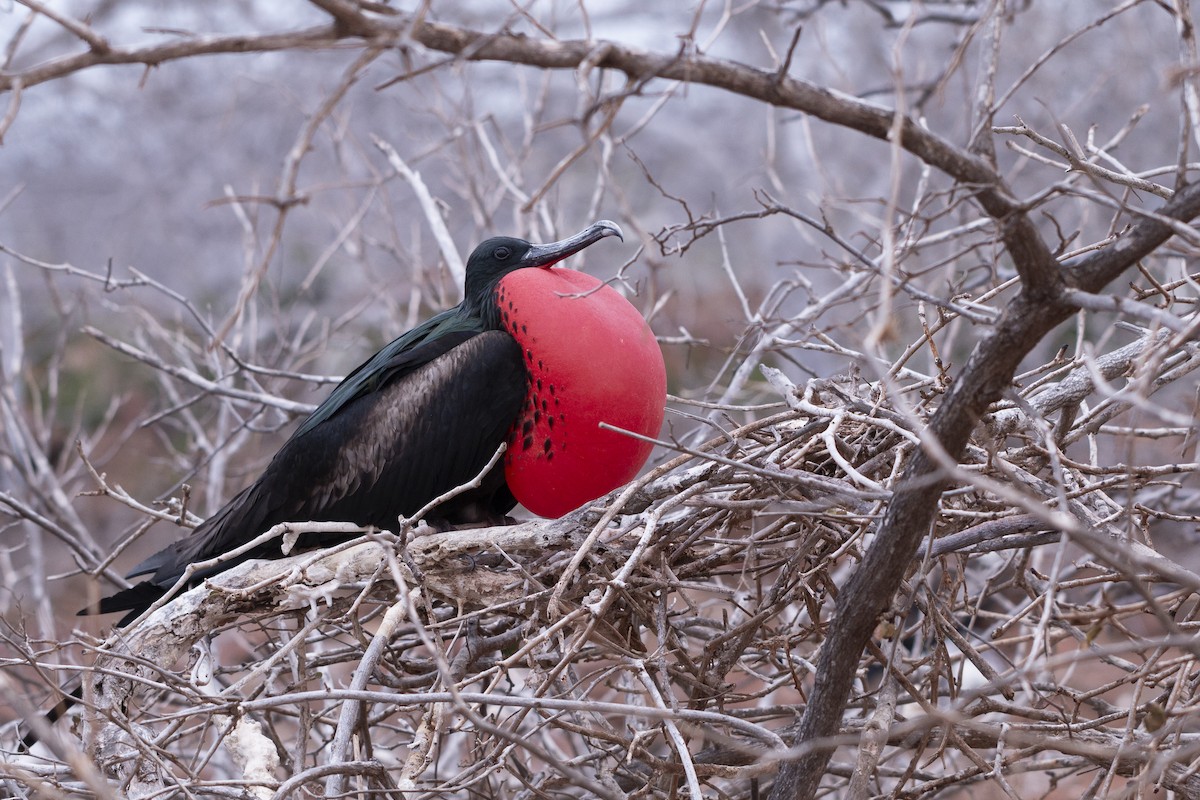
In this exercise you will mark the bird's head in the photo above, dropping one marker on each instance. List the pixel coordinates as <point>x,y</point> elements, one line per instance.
<point>501,255</point>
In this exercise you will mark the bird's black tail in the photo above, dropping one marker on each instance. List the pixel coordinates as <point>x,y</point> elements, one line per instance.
<point>134,600</point>
<point>72,694</point>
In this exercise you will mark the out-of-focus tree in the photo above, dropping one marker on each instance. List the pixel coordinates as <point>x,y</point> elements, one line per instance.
<point>923,516</point>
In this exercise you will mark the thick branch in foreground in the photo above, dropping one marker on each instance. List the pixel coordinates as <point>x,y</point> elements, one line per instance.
<point>910,514</point>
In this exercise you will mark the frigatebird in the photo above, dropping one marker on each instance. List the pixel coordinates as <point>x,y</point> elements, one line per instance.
<point>532,356</point>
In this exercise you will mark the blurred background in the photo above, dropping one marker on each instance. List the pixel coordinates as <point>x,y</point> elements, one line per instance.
<point>193,250</point>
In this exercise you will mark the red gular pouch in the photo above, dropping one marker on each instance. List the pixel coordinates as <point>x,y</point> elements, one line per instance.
<point>591,358</point>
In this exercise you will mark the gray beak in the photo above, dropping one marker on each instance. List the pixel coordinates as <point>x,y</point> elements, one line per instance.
<point>547,255</point>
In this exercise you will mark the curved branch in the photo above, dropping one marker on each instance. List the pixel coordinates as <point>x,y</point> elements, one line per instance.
<point>1034,262</point>
<point>1028,318</point>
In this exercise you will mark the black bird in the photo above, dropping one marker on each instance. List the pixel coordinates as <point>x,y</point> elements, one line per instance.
<point>426,413</point>
<point>537,358</point>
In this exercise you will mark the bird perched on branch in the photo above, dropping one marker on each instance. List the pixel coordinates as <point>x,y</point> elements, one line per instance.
<point>533,357</point>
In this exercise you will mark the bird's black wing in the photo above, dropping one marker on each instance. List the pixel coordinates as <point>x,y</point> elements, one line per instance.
<point>433,337</point>
<point>427,420</point>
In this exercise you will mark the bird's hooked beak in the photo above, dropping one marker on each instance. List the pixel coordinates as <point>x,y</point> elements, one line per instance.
<point>547,255</point>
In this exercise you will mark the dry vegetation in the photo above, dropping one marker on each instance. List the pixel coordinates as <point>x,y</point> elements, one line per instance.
<point>928,531</point>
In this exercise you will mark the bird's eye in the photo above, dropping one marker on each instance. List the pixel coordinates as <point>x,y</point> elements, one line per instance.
<point>501,253</point>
